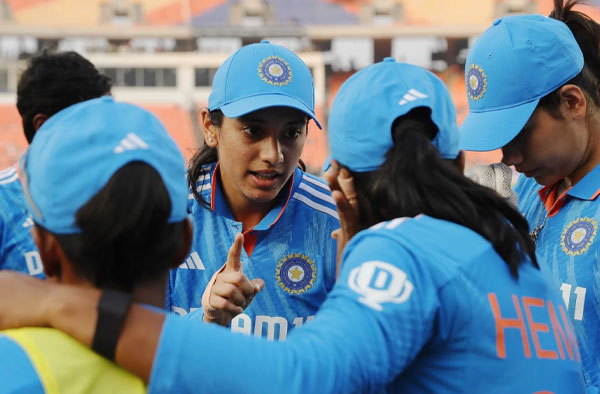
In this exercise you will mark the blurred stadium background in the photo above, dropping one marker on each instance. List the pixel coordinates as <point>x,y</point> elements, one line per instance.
<point>162,54</point>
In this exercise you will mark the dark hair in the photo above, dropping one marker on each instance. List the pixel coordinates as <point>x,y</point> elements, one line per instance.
<point>54,81</point>
<point>125,237</point>
<point>414,179</point>
<point>207,155</point>
<point>587,34</point>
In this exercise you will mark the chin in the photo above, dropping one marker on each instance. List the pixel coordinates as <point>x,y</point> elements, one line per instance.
<point>546,180</point>
<point>263,196</point>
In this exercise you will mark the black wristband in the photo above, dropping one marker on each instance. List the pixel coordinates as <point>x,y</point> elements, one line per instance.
<point>112,310</point>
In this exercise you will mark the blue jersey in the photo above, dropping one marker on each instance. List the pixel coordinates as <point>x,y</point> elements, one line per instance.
<point>568,245</point>
<point>291,249</point>
<point>421,306</point>
<point>17,249</point>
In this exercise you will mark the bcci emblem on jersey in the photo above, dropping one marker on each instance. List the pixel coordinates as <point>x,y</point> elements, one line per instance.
<point>578,236</point>
<point>296,273</point>
<point>275,71</point>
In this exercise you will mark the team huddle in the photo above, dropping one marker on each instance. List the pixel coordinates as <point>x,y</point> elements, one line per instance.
<point>395,273</point>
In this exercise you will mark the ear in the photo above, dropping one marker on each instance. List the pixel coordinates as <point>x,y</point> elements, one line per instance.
<point>186,244</point>
<point>209,130</point>
<point>38,121</point>
<point>572,102</point>
<point>48,249</point>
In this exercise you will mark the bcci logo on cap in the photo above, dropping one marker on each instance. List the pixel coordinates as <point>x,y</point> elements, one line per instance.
<point>578,236</point>
<point>379,282</point>
<point>296,273</point>
<point>275,71</point>
<point>476,82</point>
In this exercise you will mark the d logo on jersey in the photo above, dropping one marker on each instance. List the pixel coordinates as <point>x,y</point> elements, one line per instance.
<point>379,282</point>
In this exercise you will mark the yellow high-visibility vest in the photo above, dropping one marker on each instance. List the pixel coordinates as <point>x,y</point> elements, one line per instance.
<point>65,366</point>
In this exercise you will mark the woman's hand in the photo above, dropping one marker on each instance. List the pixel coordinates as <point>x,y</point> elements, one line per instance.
<point>229,291</point>
<point>342,190</point>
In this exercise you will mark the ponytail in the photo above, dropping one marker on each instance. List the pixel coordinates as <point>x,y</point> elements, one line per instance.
<point>587,34</point>
<point>414,180</point>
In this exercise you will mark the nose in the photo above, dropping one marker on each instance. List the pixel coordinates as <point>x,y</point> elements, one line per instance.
<point>511,155</point>
<point>271,151</point>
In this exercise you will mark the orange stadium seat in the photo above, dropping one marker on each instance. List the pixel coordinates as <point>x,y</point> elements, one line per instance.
<point>178,123</point>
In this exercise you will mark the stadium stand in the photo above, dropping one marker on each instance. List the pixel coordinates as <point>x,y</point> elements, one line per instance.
<point>162,54</point>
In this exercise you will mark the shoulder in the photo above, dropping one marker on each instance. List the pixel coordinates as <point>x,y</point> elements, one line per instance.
<point>203,184</point>
<point>9,180</point>
<point>17,373</point>
<point>313,194</point>
<point>12,199</point>
<point>526,187</point>
<point>422,238</point>
<point>204,180</point>
<point>8,175</point>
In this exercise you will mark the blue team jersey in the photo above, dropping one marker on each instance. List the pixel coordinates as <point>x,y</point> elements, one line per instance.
<point>421,306</point>
<point>17,373</point>
<point>17,249</point>
<point>567,244</point>
<point>291,249</point>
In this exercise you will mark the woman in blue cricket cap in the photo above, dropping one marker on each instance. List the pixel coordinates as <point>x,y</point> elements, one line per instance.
<point>439,290</point>
<point>246,178</point>
<point>533,85</point>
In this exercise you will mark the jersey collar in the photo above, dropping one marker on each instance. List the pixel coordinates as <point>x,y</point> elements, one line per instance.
<point>587,187</point>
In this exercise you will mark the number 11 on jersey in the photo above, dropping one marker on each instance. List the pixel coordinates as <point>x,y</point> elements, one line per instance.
<point>579,300</point>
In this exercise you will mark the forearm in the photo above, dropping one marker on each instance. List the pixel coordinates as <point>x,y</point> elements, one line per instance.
<point>73,310</point>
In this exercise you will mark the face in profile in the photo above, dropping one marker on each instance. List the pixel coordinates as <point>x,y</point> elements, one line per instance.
<point>547,149</point>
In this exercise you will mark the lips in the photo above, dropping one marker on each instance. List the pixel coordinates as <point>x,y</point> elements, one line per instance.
<point>265,179</point>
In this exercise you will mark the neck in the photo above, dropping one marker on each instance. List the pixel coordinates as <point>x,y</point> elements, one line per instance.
<point>591,158</point>
<point>151,293</point>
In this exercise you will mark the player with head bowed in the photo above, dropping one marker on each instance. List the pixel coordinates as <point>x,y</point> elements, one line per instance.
<point>533,84</point>
<point>439,289</point>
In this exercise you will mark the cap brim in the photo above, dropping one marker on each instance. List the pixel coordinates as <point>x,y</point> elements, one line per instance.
<point>490,130</point>
<point>254,103</point>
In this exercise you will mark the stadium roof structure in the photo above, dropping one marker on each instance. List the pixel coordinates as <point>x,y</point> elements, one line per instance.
<point>286,13</point>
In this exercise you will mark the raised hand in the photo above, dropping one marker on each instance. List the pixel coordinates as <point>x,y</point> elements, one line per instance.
<point>342,190</point>
<point>229,291</point>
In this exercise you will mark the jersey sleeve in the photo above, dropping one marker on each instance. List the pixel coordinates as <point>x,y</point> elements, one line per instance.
<point>17,374</point>
<point>373,324</point>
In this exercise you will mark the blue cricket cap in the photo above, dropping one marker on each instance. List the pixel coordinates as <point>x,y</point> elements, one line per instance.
<point>511,66</point>
<point>368,103</point>
<point>262,75</point>
<point>77,151</point>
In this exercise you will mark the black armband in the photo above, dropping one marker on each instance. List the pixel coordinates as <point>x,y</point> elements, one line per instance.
<point>112,310</point>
